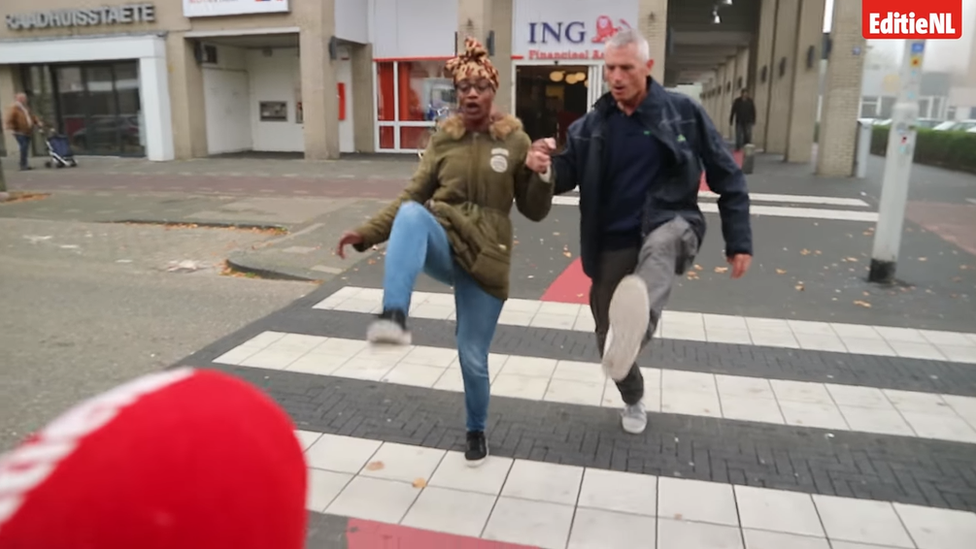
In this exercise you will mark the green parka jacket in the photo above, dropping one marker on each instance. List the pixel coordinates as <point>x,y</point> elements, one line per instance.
<point>469,181</point>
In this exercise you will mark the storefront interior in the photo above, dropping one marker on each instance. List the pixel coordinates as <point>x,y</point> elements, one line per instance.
<point>409,95</point>
<point>548,98</point>
<point>97,106</point>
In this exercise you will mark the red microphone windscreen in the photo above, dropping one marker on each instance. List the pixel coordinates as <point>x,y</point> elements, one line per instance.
<point>181,459</point>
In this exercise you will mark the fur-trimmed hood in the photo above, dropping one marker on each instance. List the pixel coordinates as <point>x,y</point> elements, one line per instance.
<point>500,129</point>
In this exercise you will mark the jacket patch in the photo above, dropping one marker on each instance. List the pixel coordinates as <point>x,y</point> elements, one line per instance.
<point>503,152</point>
<point>498,162</point>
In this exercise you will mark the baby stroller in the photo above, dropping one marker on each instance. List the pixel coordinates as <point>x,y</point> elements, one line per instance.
<point>60,151</point>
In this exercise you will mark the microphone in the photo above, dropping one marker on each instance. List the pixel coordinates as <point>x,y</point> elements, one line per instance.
<point>181,459</point>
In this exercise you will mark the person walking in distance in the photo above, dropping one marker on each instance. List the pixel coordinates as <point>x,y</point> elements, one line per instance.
<point>453,222</point>
<point>21,122</point>
<point>637,159</point>
<point>743,118</point>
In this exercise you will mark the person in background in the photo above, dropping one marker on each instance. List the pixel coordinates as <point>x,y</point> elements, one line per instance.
<point>637,158</point>
<point>21,122</point>
<point>453,223</point>
<point>743,117</point>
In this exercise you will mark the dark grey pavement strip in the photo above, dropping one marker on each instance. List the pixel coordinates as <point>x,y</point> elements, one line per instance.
<point>739,360</point>
<point>326,531</point>
<point>816,461</point>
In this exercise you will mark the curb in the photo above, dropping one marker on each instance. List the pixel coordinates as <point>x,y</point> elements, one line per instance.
<point>269,274</point>
<point>205,224</point>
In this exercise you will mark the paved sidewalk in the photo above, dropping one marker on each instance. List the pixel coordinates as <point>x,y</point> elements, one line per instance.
<point>752,442</point>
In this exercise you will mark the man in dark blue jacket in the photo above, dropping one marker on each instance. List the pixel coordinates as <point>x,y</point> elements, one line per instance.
<point>637,159</point>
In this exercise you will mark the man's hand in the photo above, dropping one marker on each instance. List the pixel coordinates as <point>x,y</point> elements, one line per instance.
<point>348,238</point>
<point>538,159</point>
<point>740,264</point>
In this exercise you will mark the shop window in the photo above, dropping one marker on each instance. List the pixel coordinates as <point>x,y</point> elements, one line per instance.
<point>408,96</point>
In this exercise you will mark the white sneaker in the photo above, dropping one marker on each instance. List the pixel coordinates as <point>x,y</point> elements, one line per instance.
<point>633,418</point>
<point>629,317</point>
<point>390,328</point>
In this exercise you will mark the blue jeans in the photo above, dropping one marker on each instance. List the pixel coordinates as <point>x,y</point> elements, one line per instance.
<point>24,142</point>
<point>419,243</point>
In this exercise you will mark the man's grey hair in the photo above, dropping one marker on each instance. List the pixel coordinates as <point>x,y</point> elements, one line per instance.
<point>625,37</point>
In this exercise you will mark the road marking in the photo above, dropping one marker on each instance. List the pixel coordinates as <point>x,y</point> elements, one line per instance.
<point>771,211</point>
<point>971,200</point>
<point>858,339</point>
<point>569,382</point>
<point>798,199</point>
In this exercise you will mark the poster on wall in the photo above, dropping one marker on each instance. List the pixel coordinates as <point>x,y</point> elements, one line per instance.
<point>212,8</point>
<point>568,29</point>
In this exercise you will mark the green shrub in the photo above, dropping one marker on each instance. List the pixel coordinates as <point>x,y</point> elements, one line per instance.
<point>952,150</point>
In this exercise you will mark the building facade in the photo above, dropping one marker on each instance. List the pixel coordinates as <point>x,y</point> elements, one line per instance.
<point>178,80</point>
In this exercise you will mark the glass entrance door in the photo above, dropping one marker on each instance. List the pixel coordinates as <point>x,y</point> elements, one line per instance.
<point>100,108</point>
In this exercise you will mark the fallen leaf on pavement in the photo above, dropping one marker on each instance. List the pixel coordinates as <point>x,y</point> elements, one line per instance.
<point>799,287</point>
<point>419,483</point>
<point>866,293</point>
<point>923,259</point>
<point>555,234</point>
<point>699,268</point>
<point>721,270</point>
<point>864,304</point>
<point>957,279</point>
<point>851,259</point>
<point>780,271</point>
<point>374,466</point>
<point>816,252</point>
<point>567,254</point>
<point>804,251</point>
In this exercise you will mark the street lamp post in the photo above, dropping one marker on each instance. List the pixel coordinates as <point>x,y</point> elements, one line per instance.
<point>898,166</point>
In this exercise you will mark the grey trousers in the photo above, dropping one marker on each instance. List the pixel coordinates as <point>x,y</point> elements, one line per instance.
<point>743,135</point>
<point>668,251</point>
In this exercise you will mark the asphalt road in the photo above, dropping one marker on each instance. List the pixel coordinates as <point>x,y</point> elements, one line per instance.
<point>87,306</point>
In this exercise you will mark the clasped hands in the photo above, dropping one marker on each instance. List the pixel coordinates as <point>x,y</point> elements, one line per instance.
<point>539,158</point>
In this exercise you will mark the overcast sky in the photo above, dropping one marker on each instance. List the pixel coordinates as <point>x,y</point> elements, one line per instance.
<point>942,55</point>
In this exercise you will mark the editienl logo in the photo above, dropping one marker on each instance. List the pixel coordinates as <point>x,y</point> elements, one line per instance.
<point>911,19</point>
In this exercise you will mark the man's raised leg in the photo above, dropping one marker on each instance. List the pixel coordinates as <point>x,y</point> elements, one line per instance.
<point>640,298</point>
<point>615,266</point>
<point>417,243</point>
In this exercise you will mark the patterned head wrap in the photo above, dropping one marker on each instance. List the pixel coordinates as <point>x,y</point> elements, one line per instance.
<point>473,63</point>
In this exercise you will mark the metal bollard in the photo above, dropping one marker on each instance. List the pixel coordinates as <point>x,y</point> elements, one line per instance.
<point>748,158</point>
<point>863,149</point>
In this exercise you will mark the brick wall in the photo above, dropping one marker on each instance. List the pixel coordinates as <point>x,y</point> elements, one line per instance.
<point>838,121</point>
<point>764,56</point>
<point>806,83</point>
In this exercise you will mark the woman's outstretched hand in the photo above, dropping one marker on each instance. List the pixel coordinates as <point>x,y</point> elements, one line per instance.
<point>348,238</point>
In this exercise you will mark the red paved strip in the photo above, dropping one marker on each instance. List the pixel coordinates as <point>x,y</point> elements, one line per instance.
<point>573,286</point>
<point>364,534</point>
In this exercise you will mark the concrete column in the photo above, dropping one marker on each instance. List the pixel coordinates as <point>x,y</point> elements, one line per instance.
<point>320,98</point>
<point>806,82</point>
<point>783,66</point>
<point>764,73</point>
<point>363,113</point>
<point>501,23</point>
<point>186,99</point>
<point>842,92</point>
<point>728,95</point>
<point>720,97</point>
<point>652,20</point>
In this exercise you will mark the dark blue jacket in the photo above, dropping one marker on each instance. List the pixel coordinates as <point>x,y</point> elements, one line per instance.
<point>689,141</point>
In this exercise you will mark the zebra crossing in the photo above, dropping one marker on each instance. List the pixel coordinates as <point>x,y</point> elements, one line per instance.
<point>762,434</point>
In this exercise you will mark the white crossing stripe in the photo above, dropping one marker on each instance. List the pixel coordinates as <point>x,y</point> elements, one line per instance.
<point>772,211</point>
<point>689,326</point>
<point>797,199</point>
<point>804,404</point>
<point>558,506</point>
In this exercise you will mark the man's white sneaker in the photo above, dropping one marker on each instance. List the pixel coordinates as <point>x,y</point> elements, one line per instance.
<point>629,317</point>
<point>633,418</point>
<point>390,328</point>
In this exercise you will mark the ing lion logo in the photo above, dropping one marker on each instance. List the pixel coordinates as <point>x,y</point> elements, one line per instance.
<point>605,29</point>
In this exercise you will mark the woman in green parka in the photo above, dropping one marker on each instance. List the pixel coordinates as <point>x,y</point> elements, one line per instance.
<point>452,222</point>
